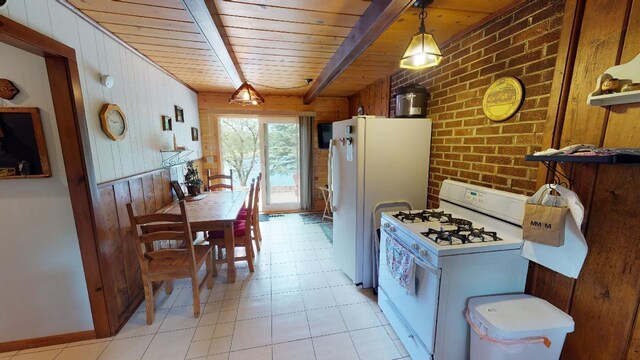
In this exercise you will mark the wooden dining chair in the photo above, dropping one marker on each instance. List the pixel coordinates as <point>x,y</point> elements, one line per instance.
<point>257,235</point>
<point>218,179</point>
<point>166,264</point>
<point>242,235</point>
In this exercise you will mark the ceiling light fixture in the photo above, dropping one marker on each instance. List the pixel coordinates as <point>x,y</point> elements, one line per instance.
<point>246,95</point>
<point>423,51</point>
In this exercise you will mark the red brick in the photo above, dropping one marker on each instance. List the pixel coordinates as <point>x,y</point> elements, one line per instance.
<point>461,165</point>
<point>472,157</point>
<point>457,89</point>
<point>493,68</point>
<point>476,140</point>
<point>487,41</point>
<point>500,160</point>
<point>472,38</point>
<point>469,175</point>
<point>512,150</point>
<point>494,48</point>
<point>469,76</point>
<point>484,149</point>
<point>488,130</point>
<point>499,140</point>
<point>487,60</point>
<point>478,121</point>
<point>484,168</point>
<point>513,28</point>
<point>463,132</point>
<point>498,25</point>
<point>525,58</point>
<point>453,141</point>
<point>465,114</point>
<point>480,82</point>
<point>493,179</point>
<point>461,149</point>
<point>524,128</point>
<point>510,52</point>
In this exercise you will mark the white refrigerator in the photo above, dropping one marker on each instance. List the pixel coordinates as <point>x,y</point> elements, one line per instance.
<point>373,160</point>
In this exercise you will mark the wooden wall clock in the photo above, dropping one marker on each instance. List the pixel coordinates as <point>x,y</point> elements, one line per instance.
<point>113,121</point>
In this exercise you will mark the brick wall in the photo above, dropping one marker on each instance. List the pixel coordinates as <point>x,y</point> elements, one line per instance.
<point>466,146</point>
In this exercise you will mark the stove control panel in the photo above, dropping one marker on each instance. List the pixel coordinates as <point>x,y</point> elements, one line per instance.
<point>474,196</point>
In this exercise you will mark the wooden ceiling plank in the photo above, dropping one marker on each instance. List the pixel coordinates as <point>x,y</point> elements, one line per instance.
<point>352,7</point>
<point>171,50</point>
<point>124,19</point>
<point>281,59</point>
<point>174,4</point>
<point>163,42</point>
<point>273,44</point>
<point>281,52</point>
<point>375,20</point>
<point>145,11</point>
<point>282,26</point>
<point>258,35</point>
<point>202,15</point>
<point>258,11</point>
<point>166,34</point>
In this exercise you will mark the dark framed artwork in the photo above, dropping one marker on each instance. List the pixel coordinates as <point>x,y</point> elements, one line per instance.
<point>177,189</point>
<point>166,123</point>
<point>194,134</point>
<point>179,114</point>
<point>23,151</point>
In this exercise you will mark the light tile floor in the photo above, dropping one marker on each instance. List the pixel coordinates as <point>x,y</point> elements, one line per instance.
<point>296,305</point>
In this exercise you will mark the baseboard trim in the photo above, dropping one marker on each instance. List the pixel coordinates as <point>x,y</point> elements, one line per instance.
<point>47,341</point>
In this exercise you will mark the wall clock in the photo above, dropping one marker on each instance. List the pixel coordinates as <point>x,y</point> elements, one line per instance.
<point>503,99</point>
<point>113,121</point>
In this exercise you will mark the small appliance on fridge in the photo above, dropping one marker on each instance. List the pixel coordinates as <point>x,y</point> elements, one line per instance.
<point>373,160</point>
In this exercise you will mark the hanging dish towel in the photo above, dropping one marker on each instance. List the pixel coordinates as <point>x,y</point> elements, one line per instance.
<point>402,265</point>
<point>568,258</point>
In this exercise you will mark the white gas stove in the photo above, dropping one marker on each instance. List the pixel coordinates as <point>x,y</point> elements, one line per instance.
<point>469,246</point>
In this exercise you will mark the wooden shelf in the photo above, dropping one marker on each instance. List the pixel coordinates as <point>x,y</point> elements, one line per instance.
<point>627,73</point>
<point>588,159</point>
<point>24,177</point>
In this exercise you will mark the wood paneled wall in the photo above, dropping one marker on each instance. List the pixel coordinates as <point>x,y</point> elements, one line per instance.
<point>374,98</point>
<point>604,300</point>
<point>148,192</point>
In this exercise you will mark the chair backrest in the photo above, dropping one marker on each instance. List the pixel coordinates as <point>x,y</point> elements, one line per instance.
<point>250,209</point>
<point>219,177</point>
<point>256,198</point>
<point>152,228</point>
<point>177,189</point>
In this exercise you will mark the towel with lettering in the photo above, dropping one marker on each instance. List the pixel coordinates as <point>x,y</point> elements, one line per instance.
<point>401,264</point>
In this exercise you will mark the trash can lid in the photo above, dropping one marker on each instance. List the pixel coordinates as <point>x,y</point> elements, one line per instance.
<point>519,316</point>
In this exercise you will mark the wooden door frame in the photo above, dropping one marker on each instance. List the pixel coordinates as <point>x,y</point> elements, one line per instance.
<point>64,81</point>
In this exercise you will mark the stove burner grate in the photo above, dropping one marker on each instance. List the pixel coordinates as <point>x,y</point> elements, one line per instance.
<point>463,234</point>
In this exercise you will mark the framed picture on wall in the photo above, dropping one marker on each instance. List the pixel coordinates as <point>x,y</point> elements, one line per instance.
<point>179,114</point>
<point>194,134</point>
<point>166,123</point>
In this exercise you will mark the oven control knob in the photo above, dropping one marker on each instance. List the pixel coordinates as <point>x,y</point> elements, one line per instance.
<point>386,225</point>
<point>414,246</point>
<point>392,228</point>
<point>423,252</point>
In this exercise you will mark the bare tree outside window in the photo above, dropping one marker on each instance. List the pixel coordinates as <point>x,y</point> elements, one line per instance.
<point>240,146</point>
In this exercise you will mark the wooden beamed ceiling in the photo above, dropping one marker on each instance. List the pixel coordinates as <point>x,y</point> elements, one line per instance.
<point>278,43</point>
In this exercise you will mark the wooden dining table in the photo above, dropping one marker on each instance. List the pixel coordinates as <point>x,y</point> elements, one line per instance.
<point>218,210</point>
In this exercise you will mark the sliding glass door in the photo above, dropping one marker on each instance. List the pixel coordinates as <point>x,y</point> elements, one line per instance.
<point>280,158</point>
<point>250,145</point>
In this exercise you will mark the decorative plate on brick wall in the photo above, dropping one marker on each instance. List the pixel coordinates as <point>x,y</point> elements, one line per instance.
<point>503,99</point>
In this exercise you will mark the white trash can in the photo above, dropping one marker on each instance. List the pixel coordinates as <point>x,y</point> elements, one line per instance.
<point>516,327</point>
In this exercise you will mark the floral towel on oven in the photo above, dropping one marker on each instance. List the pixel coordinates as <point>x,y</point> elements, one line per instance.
<point>402,265</point>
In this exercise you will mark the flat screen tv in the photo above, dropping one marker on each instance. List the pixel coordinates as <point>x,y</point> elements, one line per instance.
<point>325,133</point>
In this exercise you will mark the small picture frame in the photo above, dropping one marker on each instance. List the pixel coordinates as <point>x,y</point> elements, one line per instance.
<point>166,123</point>
<point>194,134</point>
<point>179,114</point>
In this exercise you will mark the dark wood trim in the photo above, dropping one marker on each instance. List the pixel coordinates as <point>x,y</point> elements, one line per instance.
<point>64,80</point>
<point>204,17</point>
<point>47,341</point>
<point>375,20</point>
<point>121,42</point>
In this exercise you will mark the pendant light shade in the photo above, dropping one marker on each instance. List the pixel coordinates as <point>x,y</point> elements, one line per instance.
<point>246,95</point>
<point>423,51</point>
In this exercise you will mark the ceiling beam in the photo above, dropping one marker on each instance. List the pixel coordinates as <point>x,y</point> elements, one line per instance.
<point>375,20</point>
<point>208,20</point>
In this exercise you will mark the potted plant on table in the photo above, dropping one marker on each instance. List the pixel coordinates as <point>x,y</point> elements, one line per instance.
<point>192,179</point>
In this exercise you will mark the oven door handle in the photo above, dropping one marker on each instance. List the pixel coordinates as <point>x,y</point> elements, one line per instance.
<point>430,268</point>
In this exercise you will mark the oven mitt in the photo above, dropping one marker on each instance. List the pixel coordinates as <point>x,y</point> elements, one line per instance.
<point>568,258</point>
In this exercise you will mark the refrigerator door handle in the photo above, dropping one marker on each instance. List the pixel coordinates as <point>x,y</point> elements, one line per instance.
<point>334,173</point>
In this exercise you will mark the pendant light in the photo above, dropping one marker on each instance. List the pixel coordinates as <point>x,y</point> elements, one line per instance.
<point>246,95</point>
<point>423,51</point>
